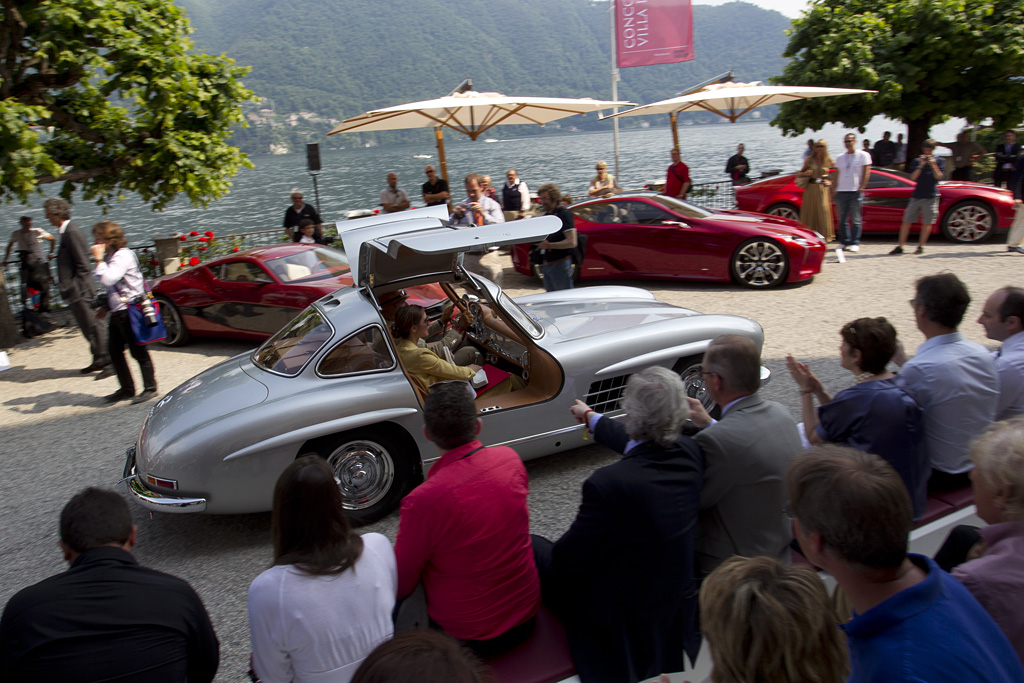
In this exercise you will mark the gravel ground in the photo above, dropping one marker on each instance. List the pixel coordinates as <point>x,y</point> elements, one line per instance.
<point>58,436</point>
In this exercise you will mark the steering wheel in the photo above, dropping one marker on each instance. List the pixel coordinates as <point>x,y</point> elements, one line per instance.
<point>463,308</point>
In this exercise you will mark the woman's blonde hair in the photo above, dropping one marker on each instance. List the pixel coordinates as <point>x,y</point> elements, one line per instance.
<point>828,161</point>
<point>767,622</point>
<point>998,456</point>
<point>112,233</point>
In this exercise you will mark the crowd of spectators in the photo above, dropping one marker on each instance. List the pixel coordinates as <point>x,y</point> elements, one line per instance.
<point>689,536</point>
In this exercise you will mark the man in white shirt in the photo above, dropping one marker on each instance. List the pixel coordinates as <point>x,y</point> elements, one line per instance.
<point>476,209</point>
<point>393,199</point>
<point>1003,320</point>
<point>953,380</point>
<point>852,172</point>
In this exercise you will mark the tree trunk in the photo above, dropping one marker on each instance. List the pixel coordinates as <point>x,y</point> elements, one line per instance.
<point>9,335</point>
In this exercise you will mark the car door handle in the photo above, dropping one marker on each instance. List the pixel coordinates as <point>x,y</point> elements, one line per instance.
<point>490,409</point>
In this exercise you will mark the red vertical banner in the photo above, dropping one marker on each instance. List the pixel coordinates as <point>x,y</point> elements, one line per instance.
<point>653,32</point>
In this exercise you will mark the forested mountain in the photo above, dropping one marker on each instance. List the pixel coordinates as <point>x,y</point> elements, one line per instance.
<point>339,58</point>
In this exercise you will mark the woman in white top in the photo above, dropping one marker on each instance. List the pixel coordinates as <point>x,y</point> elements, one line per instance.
<point>117,269</point>
<point>327,601</point>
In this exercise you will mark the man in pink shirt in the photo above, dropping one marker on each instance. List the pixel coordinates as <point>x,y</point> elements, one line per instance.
<point>464,532</point>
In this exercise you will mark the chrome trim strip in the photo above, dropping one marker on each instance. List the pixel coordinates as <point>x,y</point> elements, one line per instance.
<point>314,431</point>
<point>556,432</point>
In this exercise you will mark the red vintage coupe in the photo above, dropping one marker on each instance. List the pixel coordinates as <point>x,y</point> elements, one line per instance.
<point>254,293</point>
<point>647,236</point>
<point>968,212</point>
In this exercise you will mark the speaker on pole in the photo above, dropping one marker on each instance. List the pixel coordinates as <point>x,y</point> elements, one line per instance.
<point>313,156</point>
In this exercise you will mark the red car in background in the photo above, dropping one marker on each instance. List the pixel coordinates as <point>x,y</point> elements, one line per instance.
<point>648,236</point>
<point>253,294</point>
<point>968,212</point>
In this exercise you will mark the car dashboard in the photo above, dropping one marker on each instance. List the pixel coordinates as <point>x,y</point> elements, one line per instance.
<point>491,334</point>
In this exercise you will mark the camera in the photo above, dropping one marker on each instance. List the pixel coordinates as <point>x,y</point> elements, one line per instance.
<point>148,312</point>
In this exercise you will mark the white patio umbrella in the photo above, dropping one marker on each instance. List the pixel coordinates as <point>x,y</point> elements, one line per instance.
<point>471,113</point>
<point>732,100</point>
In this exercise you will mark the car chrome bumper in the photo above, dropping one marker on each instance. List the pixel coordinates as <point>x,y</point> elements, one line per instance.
<point>151,499</point>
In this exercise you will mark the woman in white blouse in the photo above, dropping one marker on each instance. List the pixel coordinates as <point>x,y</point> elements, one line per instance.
<point>327,601</point>
<point>117,269</point>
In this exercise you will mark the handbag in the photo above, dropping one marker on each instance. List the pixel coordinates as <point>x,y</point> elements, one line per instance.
<point>144,332</point>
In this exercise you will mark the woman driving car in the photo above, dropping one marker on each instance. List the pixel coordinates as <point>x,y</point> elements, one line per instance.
<point>411,324</point>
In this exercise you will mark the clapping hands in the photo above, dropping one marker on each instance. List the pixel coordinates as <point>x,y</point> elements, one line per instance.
<point>802,375</point>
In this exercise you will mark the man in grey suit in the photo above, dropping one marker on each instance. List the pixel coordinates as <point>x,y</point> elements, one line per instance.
<point>746,454</point>
<point>77,286</point>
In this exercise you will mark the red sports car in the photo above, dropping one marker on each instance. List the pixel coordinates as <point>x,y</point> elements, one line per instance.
<point>253,294</point>
<point>968,212</point>
<point>648,236</point>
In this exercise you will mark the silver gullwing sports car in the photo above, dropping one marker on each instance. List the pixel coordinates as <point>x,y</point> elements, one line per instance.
<point>331,382</point>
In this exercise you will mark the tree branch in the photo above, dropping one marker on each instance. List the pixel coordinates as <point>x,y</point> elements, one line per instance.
<point>78,175</point>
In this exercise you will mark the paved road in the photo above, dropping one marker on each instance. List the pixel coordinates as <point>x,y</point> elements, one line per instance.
<point>57,437</point>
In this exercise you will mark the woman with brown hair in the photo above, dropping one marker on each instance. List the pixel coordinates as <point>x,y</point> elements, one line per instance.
<point>421,656</point>
<point>816,211</point>
<point>327,601</point>
<point>876,414</point>
<point>410,326</point>
<point>767,622</point>
<point>117,269</point>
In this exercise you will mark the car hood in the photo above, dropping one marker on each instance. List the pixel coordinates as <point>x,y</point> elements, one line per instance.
<point>747,220</point>
<point>599,311</point>
<point>209,397</point>
<point>975,188</point>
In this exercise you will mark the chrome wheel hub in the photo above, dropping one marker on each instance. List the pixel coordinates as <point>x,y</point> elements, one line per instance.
<point>364,471</point>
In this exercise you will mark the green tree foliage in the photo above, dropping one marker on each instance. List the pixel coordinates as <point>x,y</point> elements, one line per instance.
<point>928,60</point>
<point>109,96</point>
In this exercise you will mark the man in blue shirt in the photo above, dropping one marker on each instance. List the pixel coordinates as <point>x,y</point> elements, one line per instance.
<point>955,381</point>
<point>927,170</point>
<point>911,620</point>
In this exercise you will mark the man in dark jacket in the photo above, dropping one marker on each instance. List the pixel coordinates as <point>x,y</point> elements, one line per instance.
<point>622,576</point>
<point>106,618</point>
<point>77,286</point>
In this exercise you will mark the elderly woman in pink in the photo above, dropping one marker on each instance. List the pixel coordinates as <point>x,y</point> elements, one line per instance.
<point>996,574</point>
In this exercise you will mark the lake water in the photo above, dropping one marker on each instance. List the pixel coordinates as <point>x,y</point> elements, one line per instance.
<point>352,178</point>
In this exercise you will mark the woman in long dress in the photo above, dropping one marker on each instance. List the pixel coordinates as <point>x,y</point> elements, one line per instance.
<point>816,212</point>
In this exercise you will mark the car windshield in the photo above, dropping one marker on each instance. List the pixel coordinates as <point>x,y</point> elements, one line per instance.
<point>525,321</point>
<point>682,208</point>
<point>287,351</point>
<point>309,264</point>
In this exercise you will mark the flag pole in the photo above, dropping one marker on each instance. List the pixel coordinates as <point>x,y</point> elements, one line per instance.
<point>615,88</point>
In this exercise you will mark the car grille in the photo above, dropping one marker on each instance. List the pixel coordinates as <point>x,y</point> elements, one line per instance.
<point>605,395</point>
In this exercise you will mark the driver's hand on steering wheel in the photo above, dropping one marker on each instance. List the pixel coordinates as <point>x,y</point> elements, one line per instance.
<point>446,314</point>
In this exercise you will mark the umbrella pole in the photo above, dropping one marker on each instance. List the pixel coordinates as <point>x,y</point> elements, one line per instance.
<point>675,132</point>
<point>439,136</point>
